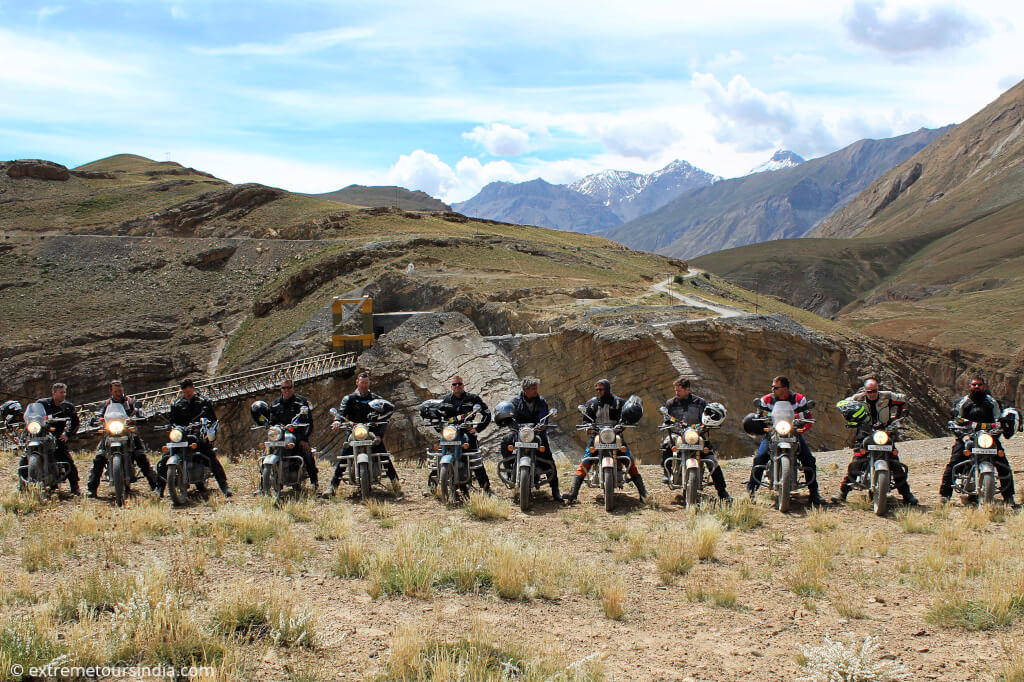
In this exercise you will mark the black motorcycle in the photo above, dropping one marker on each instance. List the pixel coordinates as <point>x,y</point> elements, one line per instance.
<point>283,464</point>
<point>879,446</point>
<point>117,440</point>
<point>451,463</point>
<point>520,469</point>
<point>39,445</point>
<point>186,465</point>
<point>609,452</point>
<point>780,474</point>
<point>692,461</point>
<point>977,476</point>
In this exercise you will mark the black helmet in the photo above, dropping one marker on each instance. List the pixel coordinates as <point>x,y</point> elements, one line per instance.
<point>854,411</point>
<point>1010,421</point>
<point>11,411</point>
<point>381,407</point>
<point>752,425</point>
<point>429,409</point>
<point>504,413</point>
<point>632,410</point>
<point>260,412</point>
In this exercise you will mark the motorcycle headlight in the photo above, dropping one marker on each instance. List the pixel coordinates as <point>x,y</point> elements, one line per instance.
<point>985,440</point>
<point>34,428</point>
<point>360,432</point>
<point>880,437</point>
<point>607,435</point>
<point>175,435</point>
<point>274,433</point>
<point>783,428</point>
<point>115,427</point>
<point>526,435</point>
<point>691,436</point>
<point>449,433</point>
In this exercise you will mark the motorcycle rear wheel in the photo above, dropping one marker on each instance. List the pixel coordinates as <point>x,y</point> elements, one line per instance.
<point>881,493</point>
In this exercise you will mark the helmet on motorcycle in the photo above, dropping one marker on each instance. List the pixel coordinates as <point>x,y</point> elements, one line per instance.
<point>260,412</point>
<point>854,411</point>
<point>429,409</point>
<point>713,414</point>
<point>504,413</point>
<point>1010,420</point>
<point>632,410</point>
<point>381,407</point>
<point>11,411</point>
<point>752,425</point>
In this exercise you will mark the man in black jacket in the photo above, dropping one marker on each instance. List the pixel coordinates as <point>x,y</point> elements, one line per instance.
<point>189,408</point>
<point>461,402</point>
<point>530,408</point>
<point>283,411</point>
<point>356,408</point>
<point>604,408</point>
<point>57,407</point>
<point>138,451</point>
<point>980,407</point>
<point>688,409</point>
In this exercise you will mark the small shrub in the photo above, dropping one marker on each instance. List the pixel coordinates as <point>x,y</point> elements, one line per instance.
<point>675,557</point>
<point>613,598</point>
<point>833,662</point>
<point>335,523</point>
<point>707,531</point>
<point>913,521</point>
<point>484,507</point>
<point>348,559</point>
<point>253,615</point>
<point>742,514</point>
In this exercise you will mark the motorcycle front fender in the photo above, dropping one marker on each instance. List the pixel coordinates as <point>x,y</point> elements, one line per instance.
<point>607,462</point>
<point>525,462</point>
<point>362,458</point>
<point>692,463</point>
<point>986,467</point>
<point>881,465</point>
<point>174,459</point>
<point>271,459</point>
<point>447,458</point>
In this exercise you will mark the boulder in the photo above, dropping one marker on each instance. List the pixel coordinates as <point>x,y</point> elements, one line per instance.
<point>38,169</point>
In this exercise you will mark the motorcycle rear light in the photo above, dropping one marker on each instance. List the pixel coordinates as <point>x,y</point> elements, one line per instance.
<point>511,448</point>
<point>542,448</point>
<point>194,446</point>
<point>163,449</point>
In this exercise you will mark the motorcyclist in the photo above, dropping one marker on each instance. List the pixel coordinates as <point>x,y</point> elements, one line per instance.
<point>604,408</point>
<point>283,411</point>
<point>980,407</point>
<point>356,408</point>
<point>189,408</point>
<point>781,393</point>
<point>461,402</point>
<point>138,451</point>
<point>530,408</point>
<point>883,407</point>
<point>57,407</point>
<point>688,409</point>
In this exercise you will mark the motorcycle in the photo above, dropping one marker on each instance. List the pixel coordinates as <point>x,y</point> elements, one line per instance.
<point>363,466</point>
<point>186,466</point>
<point>39,444</point>
<point>283,464</point>
<point>610,452</point>
<point>879,446</point>
<point>451,463</point>
<point>977,476</point>
<point>118,436</point>
<point>692,461</point>
<point>521,470</point>
<point>780,474</point>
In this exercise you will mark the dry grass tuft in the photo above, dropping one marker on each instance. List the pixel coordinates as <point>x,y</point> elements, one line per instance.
<point>42,548</point>
<point>27,501</point>
<point>913,521</point>
<point>251,614</point>
<point>811,565</point>
<point>335,523</point>
<point>821,520</point>
<point>675,557</point>
<point>348,559</point>
<point>722,594</point>
<point>613,598</point>
<point>250,526</point>
<point>484,507</point>
<point>707,531</point>
<point>741,514</point>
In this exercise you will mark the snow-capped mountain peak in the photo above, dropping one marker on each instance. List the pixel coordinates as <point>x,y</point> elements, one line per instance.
<point>782,158</point>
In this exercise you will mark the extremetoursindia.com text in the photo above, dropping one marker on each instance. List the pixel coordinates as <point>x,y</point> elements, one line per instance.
<point>138,672</point>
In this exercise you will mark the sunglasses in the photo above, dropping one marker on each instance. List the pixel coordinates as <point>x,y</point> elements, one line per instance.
<point>977,385</point>
<point>287,388</point>
<point>599,389</point>
<point>457,383</point>
<point>776,388</point>
<point>871,390</point>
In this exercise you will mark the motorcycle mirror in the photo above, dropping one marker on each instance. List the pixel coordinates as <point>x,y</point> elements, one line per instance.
<point>478,408</point>
<point>552,412</point>
<point>757,402</point>
<point>334,413</point>
<point>663,409</point>
<point>810,404</point>
<point>581,408</point>
<point>304,409</point>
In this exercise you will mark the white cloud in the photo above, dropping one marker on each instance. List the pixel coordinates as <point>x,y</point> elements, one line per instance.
<point>473,175</point>
<point>299,43</point>
<point>637,135</point>
<point>44,13</point>
<point>423,171</point>
<point>179,13</point>
<point>500,139</point>
<point>748,117</point>
<point>904,31</point>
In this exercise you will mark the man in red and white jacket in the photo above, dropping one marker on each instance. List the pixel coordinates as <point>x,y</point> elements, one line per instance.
<point>781,393</point>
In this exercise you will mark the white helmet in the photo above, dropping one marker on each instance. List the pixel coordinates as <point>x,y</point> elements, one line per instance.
<point>713,415</point>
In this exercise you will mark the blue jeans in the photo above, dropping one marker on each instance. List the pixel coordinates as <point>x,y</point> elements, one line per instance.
<point>806,460</point>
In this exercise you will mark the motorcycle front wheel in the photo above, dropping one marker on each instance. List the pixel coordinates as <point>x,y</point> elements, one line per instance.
<point>34,474</point>
<point>117,479</point>
<point>987,487</point>
<point>525,489</point>
<point>609,490</point>
<point>271,483</point>
<point>881,496</point>
<point>785,484</point>
<point>177,486</point>
<point>444,477</point>
<point>692,487</point>
<point>363,471</point>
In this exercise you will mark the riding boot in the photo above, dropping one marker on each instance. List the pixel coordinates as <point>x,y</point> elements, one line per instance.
<point>574,491</point>
<point>640,487</point>
<point>554,491</point>
<point>95,473</point>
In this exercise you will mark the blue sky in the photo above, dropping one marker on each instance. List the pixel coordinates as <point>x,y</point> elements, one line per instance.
<point>447,96</point>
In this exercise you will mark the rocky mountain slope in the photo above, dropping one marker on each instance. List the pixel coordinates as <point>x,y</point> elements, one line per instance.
<point>936,258</point>
<point>786,203</point>
<point>399,197</point>
<point>630,195</point>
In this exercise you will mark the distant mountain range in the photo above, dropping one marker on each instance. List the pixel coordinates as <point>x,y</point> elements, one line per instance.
<point>780,159</point>
<point>785,203</point>
<point>592,204</point>
<point>360,195</point>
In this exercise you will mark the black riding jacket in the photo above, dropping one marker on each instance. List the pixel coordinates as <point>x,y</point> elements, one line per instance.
<point>126,402</point>
<point>283,411</point>
<point>688,410</point>
<point>464,405</point>
<point>184,412</point>
<point>985,411</point>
